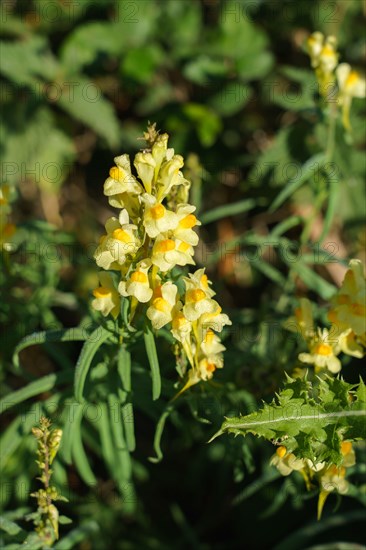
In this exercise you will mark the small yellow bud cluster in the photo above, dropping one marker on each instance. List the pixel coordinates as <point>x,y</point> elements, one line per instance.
<point>7,229</point>
<point>153,233</point>
<point>46,518</point>
<point>324,59</point>
<point>347,315</point>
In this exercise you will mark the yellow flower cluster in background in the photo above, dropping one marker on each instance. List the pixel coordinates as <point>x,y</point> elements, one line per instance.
<point>324,59</point>
<point>7,229</point>
<point>330,478</point>
<point>347,332</point>
<point>145,242</point>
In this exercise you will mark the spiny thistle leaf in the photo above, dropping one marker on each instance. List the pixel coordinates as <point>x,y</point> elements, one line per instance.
<point>309,421</point>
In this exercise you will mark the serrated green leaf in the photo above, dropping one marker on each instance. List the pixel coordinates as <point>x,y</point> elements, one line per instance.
<point>310,427</point>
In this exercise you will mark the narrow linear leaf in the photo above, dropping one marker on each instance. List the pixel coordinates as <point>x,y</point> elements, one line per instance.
<point>154,362</point>
<point>158,435</point>
<point>269,271</point>
<point>89,349</point>
<point>80,458</point>
<point>65,335</point>
<point>124,367</point>
<point>41,385</point>
<point>285,225</point>
<point>122,465</point>
<point>74,412</point>
<point>308,169</point>
<point>128,420</point>
<point>227,210</point>
<point>313,280</point>
<point>77,535</point>
<point>334,189</point>
<point>104,429</point>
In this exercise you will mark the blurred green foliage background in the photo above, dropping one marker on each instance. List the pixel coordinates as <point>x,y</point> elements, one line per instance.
<point>230,82</point>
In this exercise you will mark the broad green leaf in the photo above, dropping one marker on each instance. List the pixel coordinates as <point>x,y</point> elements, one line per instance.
<point>84,101</point>
<point>231,99</point>
<point>311,167</point>
<point>206,122</point>
<point>154,362</point>
<point>26,61</point>
<point>83,44</point>
<point>65,335</point>
<point>9,527</point>
<point>227,210</point>
<point>32,139</point>
<point>89,349</point>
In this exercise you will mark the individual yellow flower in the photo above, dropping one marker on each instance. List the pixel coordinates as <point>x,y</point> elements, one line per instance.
<point>351,84</point>
<point>323,352</point>
<point>350,344</point>
<point>333,479</point>
<point>121,180</point>
<point>169,175</point>
<point>186,221</point>
<point>138,283</point>
<point>197,303</point>
<point>215,320</point>
<point>207,367</point>
<point>181,327</point>
<point>119,242</point>
<point>162,304</point>
<point>303,321</point>
<point>157,218</point>
<point>107,300</point>
<point>286,462</point>
<point>328,56</point>
<point>145,165</point>
<point>159,152</point>
<point>198,295</point>
<point>349,457</point>
<point>315,44</point>
<point>324,59</point>
<point>211,344</point>
<point>349,304</point>
<point>167,253</point>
